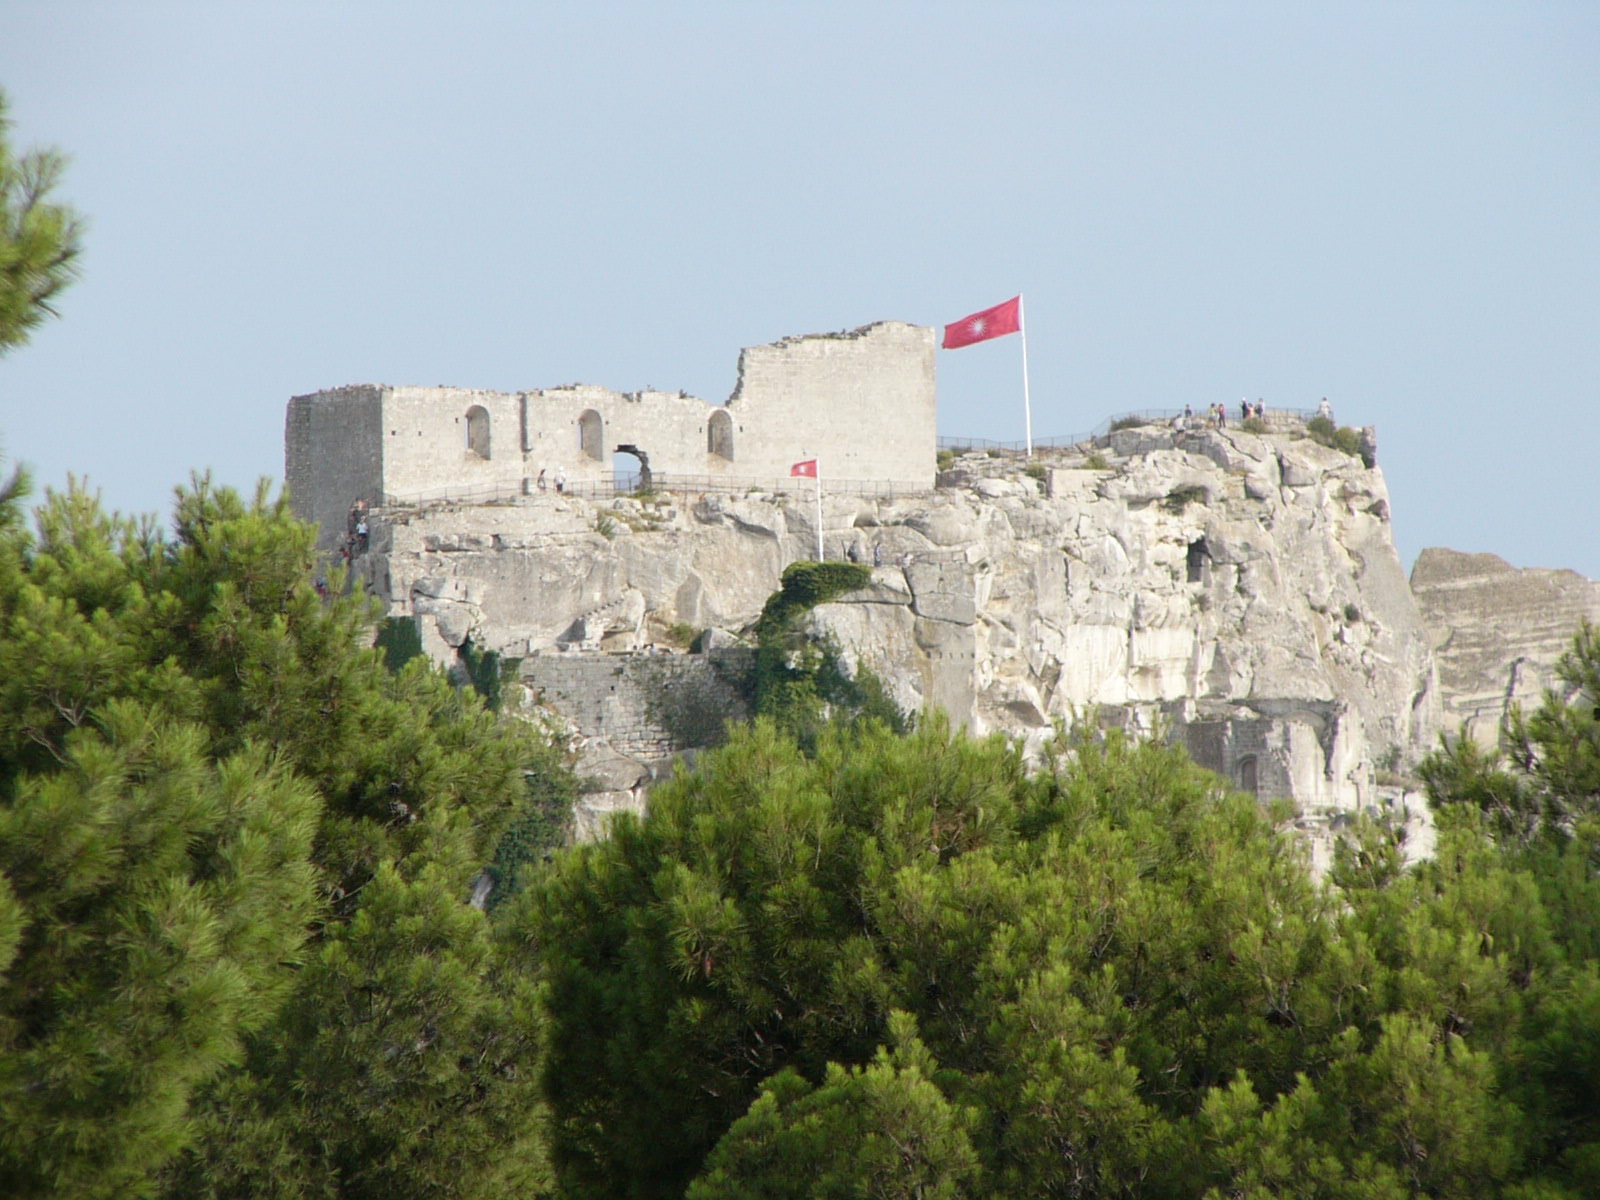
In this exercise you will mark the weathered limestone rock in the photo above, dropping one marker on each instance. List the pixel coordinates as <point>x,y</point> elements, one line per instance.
<point>1497,631</point>
<point>1241,590</point>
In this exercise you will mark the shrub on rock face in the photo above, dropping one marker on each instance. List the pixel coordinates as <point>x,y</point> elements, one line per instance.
<point>1341,438</point>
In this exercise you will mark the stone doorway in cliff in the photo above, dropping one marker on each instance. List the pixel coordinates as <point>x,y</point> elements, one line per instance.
<point>1245,771</point>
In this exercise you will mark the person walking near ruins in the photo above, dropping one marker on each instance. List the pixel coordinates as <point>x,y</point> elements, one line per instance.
<point>561,479</point>
<point>540,481</point>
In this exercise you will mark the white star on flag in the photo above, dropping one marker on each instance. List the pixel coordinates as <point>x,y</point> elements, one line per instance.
<point>981,326</point>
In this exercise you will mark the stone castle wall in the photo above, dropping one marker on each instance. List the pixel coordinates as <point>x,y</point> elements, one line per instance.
<point>334,454</point>
<point>863,403</point>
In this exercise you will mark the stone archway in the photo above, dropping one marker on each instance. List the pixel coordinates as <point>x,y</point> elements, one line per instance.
<point>1248,774</point>
<point>646,482</point>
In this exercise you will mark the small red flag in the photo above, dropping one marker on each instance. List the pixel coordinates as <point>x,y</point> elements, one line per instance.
<point>809,467</point>
<point>981,326</point>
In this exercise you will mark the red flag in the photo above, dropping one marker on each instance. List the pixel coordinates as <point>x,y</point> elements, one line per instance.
<point>981,326</point>
<point>809,467</point>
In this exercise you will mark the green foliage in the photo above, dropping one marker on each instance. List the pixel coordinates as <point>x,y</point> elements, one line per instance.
<point>683,635</point>
<point>1127,423</point>
<point>399,641</point>
<point>1095,461</point>
<point>1544,781</point>
<point>235,850</point>
<point>154,895</point>
<point>905,1139</point>
<point>799,684</point>
<point>1255,425</point>
<point>39,239</point>
<point>1035,471</point>
<point>1341,438</point>
<point>944,460</point>
<point>805,585</point>
<point>1110,978</point>
<point>488,671</point>
<point>543,825</point>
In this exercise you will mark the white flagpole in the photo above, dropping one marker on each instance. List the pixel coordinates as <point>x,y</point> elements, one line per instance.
<point>1027,406</point>
<point>819,510</point>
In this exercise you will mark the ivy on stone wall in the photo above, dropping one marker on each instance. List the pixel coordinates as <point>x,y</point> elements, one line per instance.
<point>801,684</point>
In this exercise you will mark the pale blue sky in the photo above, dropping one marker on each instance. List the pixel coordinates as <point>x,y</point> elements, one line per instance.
<point>1393,205</point>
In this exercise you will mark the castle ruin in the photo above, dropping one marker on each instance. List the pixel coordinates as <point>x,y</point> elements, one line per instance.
<point>861,402</point>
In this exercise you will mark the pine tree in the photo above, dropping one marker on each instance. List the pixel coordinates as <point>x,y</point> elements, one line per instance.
<point>236,953</point>
<point>39,238</point>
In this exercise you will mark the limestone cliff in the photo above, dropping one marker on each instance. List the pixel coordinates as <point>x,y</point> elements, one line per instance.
<point>1241,590</point>
<point>1497,631</point>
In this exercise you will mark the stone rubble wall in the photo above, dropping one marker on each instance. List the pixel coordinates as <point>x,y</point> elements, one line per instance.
<point>631,715</point>
<point>644,706</point>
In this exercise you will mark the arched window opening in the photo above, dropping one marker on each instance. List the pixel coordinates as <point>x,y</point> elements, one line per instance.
<point>1246,770</point>
<point>592,435</point>
<point>719,435</point>
<point>1198,553</point>
<point>478,430</point>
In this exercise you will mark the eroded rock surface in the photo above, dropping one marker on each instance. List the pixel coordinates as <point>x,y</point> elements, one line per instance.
<point>1241,590</point>
<point>1497,631</point>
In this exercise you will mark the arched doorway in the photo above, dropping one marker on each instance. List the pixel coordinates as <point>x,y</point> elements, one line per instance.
<point>478,430</point>
<point>1245,769</point>
<point>719,435</point>
<point>592,435</point>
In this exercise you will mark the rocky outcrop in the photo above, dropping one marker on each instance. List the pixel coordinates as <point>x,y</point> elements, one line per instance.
<point>1242,591</point>
<point>1497,631</point>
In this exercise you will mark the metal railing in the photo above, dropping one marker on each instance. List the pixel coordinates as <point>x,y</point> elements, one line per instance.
<point>1280,418</point>
<point>661,481</point>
